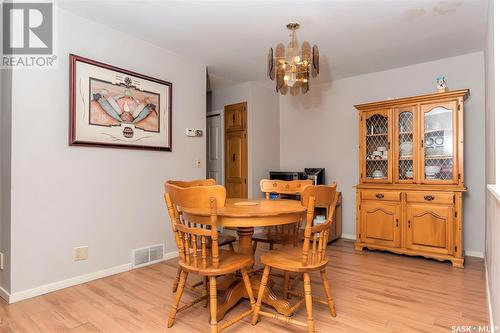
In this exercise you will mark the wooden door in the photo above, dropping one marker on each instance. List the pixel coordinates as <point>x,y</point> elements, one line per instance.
<point>375,138</point>
<point>236,165</point>
<point>405,144</point>
<point>439,143</point>
<point>429,228</point>
<point>380,223</point>
<point>214,148</point>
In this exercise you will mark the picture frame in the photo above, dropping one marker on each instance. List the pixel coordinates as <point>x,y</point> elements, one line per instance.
<point>117,108</point>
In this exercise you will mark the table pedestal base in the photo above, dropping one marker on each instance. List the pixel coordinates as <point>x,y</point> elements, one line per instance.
<point>234,291</point>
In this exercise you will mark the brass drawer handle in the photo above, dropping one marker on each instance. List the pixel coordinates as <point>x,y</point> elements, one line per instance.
<point>429,197</point>
<point>380,196</point>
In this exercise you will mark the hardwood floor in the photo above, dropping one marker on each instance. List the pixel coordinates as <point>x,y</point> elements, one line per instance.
<point>373,292</point>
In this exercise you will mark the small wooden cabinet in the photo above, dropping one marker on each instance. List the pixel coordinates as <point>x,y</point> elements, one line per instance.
<point>236,155</point>
<point>409,199</point>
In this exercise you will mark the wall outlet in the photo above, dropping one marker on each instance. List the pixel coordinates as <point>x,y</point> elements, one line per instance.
<point>198,163</point>
<point>1,260</point>
<point>81,253</point>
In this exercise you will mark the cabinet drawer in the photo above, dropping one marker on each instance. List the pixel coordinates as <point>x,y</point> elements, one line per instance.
<point>380,195</point>
<point>431,197</point>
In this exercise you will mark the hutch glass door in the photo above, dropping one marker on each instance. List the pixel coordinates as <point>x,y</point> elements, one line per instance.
<point>404,142</point>
<point>439,143</point>
<point>377,160</point>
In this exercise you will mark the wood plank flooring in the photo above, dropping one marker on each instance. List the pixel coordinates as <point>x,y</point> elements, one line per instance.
<point>373,291</point>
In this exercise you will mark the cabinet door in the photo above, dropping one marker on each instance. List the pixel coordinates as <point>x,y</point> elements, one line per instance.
<point>376,156</point>
<point>236,164</point>
<point>380,223</point>
<point>438,143</point>
<point>405,144</point>
<point>235,115</point>
<point>429,228</point>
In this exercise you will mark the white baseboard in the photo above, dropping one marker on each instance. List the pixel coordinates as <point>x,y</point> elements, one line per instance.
<point>477,254</point>
<point>4,294</point>
<point>50,287</point>
<point>488,298</point>
<point>348,236</point>
<point>170,255</point>
<point>47,288</point>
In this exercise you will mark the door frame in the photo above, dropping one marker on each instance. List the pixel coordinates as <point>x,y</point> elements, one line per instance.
<point>222,143</point>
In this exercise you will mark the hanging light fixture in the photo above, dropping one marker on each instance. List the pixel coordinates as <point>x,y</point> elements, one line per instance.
<point>293,68</point>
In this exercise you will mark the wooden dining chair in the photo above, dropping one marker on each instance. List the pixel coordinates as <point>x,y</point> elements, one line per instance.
<point>223,239</point>
<point>199,253</point>
<point>310,258</point>
<point>283,234</point>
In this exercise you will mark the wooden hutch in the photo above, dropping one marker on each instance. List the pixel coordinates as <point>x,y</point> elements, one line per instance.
<point>409,196</point>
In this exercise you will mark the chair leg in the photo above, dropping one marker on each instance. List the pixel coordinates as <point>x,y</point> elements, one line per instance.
<point>309,306</point>
<point>231,247</point>
<point>205,291</point>
<point>328,293</point>
<point>254,246</point>
<point>178,295</point>
<point>263,283</point>
<point>176,281</point>
<point>271,246</point>
<point>286,285</point>
<point>248,286</point>
<point>213,304</point>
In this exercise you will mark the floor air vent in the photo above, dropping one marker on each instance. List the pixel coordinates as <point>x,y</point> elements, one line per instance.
<point>147,255</point>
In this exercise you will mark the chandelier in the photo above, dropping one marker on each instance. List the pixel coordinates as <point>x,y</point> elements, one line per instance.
<point>293,68</point>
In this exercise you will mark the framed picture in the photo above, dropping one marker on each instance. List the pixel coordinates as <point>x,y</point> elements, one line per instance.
<point>114,107</point>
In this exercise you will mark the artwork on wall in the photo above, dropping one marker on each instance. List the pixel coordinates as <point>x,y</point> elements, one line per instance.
<point>114,107</point>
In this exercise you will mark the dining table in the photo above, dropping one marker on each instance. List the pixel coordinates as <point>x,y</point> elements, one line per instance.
<point>245,215</point>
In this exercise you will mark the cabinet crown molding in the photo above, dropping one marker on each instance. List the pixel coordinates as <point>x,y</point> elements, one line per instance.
<point>464,93</point>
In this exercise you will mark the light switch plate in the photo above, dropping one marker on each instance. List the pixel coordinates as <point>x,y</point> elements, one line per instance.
<point>194,132</point>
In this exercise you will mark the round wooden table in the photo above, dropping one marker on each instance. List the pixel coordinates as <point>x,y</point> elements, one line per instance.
<point>245,214</point>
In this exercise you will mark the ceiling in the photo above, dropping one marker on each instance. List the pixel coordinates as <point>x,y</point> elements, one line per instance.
<point>354,37</point>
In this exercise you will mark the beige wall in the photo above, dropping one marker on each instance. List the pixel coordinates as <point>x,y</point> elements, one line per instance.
<point>320,129</point>
<point>5,172</point>
<point>489,72</point>
<point>493,195</point>
<point>493,252</point>
<point>263,128</point>
<point>108,199</point>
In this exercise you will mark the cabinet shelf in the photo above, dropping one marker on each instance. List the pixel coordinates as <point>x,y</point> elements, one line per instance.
<point>376,134</point>
<point>439,157</point>
<point>438,130</point>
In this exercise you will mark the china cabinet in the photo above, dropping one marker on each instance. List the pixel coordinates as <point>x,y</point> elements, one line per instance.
<point>409,198</point>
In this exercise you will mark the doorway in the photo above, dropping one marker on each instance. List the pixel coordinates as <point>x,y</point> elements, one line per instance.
<point>215,147</point>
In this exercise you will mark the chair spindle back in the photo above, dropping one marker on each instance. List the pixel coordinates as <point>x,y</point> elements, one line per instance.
<point>316,236</point>
<point>196,231</point>
<point>283,187</point>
